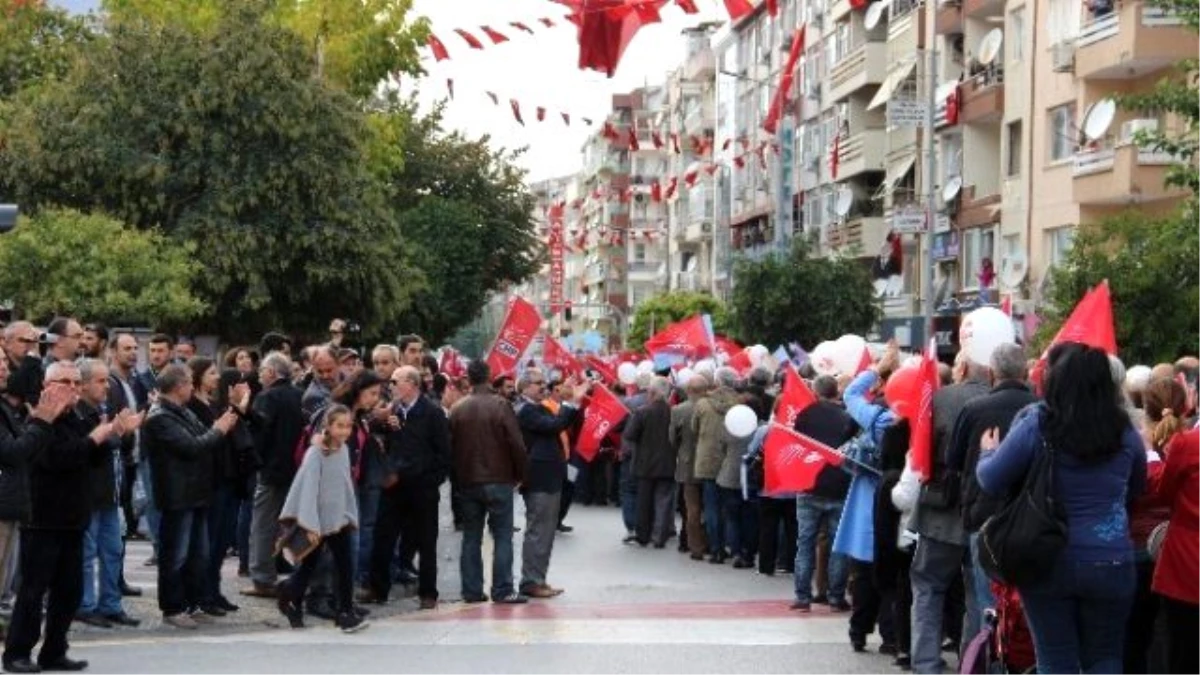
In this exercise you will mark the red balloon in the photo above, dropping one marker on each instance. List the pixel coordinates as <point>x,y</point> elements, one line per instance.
<point>903,391</point>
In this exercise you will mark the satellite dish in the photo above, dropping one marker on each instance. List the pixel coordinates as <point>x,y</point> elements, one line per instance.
<point>989,48</point>
<point>874,14</point>
<point>845,199</point>
<point>690,265</point>
<point>951,189</point>
<point>1099,118</point>
<point>1013,270</point>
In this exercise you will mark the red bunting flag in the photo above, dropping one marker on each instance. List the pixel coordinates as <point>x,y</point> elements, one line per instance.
<point>566,119</point>
<point>610,132</point>
<point>1006,305</point>
<point>739,162</point>
<point>689,337</point>
<point>657,140</point>
<point>604,370</point>
<point>795,397</point>
<point>438,47</point>
<point>521,323</point>
<point>516,110</point>
<point>633,140</point>
<point>688,6</point>
<point>451,363</point>
<point>773,7</point>
<point>785,81</point>
<point>725,145</point>
<point>655,191</point>
<point>603,413</point>
<point>546,22</point>
<point>792,462</point>
<point>495,99</point>
<point>711,169</point>
<point>587,120</point>
<point>921,443</point>
<point>520,26</point>
<point>675,142</point>
<point>690,177</point>
<point>541,114</point>
<point>738,8</point>
<point>671,185</point>
<point>494,35</point>
<point>1090,323</point>
<point>472,41</point>
<point>554,355</point>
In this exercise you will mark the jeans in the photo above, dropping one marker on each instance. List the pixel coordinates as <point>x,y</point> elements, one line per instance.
<point>183,541</point>
<point>741,524</point>
<point>934,566</point>
<point>712,518</point>
<point>224,506</point>
<point>628,495</point>
<point>541,523</point>
<point>813,514</point>
<point>1078,616</point>
<point>368,515</point>
<point>982,587</point>
<point>492,502</point>
<point>50,564</point>
<point>102,544</point>
<point>151,512</point>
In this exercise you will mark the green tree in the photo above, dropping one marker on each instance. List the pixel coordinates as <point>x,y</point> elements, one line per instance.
<point>70,263</point>
<point>656,313</point>
<point>801,298</point>
<point>37,44</point>
<point>223,138</point>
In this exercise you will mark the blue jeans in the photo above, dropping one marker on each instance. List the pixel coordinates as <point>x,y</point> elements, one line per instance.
<point>102,544</point>
<point>368,513</point>
<point>812,514</point>
<point>181,565</point>
<point>712,517</point>
<point>628,495</point>
<point>1078,616</point>
<point>981,586</point>
<point>151,512</point>
<point>492,502</point>
<point>224,506</point>
<point>741,526</point>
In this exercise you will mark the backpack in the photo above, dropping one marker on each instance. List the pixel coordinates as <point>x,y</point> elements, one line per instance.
<point>862,450</point>
<point>1021,543</point>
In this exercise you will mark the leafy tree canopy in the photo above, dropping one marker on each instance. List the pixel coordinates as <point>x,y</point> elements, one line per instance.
<point>63,262</point>
<point>656,313</point>
<point>801,298</point>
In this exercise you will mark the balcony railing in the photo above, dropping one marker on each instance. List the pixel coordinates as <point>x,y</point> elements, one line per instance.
<point>1131,41</point>
<point>983,97</point>
<point>1125,174</point>
<point>949,17</point>
<point>865,65</point>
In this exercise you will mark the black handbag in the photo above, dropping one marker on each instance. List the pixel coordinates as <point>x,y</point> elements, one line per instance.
<point>1020,544</point>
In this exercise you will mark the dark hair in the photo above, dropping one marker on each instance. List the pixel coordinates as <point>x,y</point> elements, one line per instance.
<point>498,383</point>
<point>478,372</point>
<point>99,329</point>
<point>431,364</point>
<point>58,325</point>
<point>199,365</point>
<point>826,387</point>
<point>273,342</point>
<point>440,382</point>
<point>1083,416</point>
<point>806,370</point>
<point>348,392</point>
<point>405,340</point>
<point>162,338</point>
<point>232,354</point>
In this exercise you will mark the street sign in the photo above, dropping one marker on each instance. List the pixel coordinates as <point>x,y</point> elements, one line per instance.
<point>908,220</point>
<point>906,112</point>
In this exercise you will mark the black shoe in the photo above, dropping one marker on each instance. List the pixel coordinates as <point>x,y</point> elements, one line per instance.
<point>565,529</point>
<point>741,563</point>
<point>224,603</point>
<point>122,619</point>
<point>839,606</point>
<point>212,610</point>
<point>889,648</point>
<point>904,662</point>
<point>291,610</point>
<point>128,591</point>
<point>660,544</point>
<point>322,610</point>
<point>93,619</point>
<point>475,599</point>
<point>858,644</point>
<point>351,623</point>
<point>513,598</point>
<point>64,664</point>
<point>21,666</point>
<point>359,610</point>
<point>820,600</point>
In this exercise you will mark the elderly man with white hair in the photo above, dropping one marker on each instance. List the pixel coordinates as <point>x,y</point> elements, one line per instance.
<point>647,436</point>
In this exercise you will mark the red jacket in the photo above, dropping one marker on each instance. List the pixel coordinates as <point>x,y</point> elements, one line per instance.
<point>1177,574</point>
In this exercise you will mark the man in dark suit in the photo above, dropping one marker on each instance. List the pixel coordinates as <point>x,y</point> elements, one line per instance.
<point>547,469</point>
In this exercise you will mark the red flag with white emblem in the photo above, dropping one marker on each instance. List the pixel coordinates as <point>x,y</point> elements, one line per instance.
<point>604,412</point>
<point>792,461</point>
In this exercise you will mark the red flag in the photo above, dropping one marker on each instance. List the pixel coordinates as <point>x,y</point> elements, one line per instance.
<point>741,363</point>
<point>541,114</point>
<point>688,6</point>
<point>671,185</point>
<point>792,461</point>
<point>471,40</point>
<point>690,177</point>
<point>739,162</point>
<point>921,443</point>
<point>738,8</point>
<point>864,361</point>
<point>516,109</point>
<point>785,81</point>
<point>610,132</point>
<point>657,139</point>
<point>496,36</point>
<point>520,325</point>
<point>604,370</point>
<point>689,337</point>
<point>795,397</point>
<point>1006,305</point>
<point>773,7</point>
<point>726,345</point>
<point>604,412</point>
<point>451,363</point>
<point>555,355</point>
<point>438,47</point>
<point>655,191</point>
<point>633,141</point>
<point>566,118</point>
<point>520,26</point>
<point>1090,323</point>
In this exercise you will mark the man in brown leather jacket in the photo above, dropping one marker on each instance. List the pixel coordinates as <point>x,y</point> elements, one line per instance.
<point>489,462</point>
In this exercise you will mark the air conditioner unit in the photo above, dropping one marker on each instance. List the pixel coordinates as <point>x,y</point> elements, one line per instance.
<point>1130,128</point>
<point>1062,57</point>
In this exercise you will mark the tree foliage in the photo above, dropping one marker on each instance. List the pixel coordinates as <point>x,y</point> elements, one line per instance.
<point>656,313</point>
<point>63,262</point>
<point>36,45</point>
<point>801,298</point>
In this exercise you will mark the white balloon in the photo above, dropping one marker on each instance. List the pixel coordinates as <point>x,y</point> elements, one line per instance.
<point>627,373</point>
<point>821,358</point>
<point>683,376</point>
<point>741,421</point>
<point>1136,378</point>
<point>847,353</point>
<point>982,331</point>
<point>645,367</point>
<point>756,354</point>
<point>705,367</point>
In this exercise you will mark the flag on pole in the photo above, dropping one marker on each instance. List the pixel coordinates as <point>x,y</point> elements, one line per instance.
<point>795,397</point>
<point>603,412</point>
<point>521,323</point>
<point>792,462</point>
<point>1090,323</point>
<point>921,443</point>
<point>555,355</point>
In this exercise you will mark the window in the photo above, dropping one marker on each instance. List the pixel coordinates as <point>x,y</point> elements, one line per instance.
<point>1016,35</point>
<point>1058,244</point>
<point>639,253</point>
<point>951,156</point>
<point>977,244</point>
<point>1013,142</point>
<point>832,53</point>
<point>1062,124</point>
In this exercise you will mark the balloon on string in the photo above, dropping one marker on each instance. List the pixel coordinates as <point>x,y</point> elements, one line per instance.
<point>847,353</point>
<point>902,391</point>
<point>756,354</point>
<point>627,373</point>
<point>741,421</point>
<point>822,359</point>
<point>982,331</point>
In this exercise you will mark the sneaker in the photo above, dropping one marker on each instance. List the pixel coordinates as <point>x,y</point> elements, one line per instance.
<point>903,662</point>
<point>351,623</point>
<point>181,620</point>
<point>212,610</point>
<point>200,616</point>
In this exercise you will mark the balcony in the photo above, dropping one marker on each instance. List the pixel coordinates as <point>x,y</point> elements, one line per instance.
<point>978,209</point>
<point>982,9</point>
<point>861,237</point>
<point>866,65</point>
<point>643,271</point>
<point>862,152</point>
<point>1126,174</point>
<point>701,65</point>
<point>949,18</point>
<point>1130,42</point>
<point>698,230</point>
<point>838,9</point>
<point>983,99</point>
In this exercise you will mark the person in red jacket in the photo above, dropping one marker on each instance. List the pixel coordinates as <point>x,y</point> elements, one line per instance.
<point>1177,575</point>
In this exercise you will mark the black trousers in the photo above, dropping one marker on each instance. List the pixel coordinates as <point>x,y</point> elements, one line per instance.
<point>1183,623</point>
<point>339,546</point>
<point>869,605</point>
<point>51,561</point>
<point>776,520</point>
<point>565,498</point>
<point>410,512</point>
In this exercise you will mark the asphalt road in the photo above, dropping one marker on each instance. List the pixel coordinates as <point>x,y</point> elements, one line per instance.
<point>625,610</point>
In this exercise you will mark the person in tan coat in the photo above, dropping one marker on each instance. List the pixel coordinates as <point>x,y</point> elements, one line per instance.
<point>709,426</point>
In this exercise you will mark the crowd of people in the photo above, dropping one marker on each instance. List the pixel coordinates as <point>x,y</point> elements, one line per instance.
<point>324,472</point>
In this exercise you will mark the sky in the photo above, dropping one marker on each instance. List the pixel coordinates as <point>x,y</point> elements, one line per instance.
<point>540,70</point>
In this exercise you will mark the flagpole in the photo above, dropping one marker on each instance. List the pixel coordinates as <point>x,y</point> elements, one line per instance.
<point>840,451</point>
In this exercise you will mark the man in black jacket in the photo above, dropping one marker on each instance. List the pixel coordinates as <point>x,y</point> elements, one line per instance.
<point>277,423</point>
<point>180,449</point>
<point>1009,395</point>
<point>52,540</point>
<point>418,449</point>
<point>647,435</point>
<point>827,422</point>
